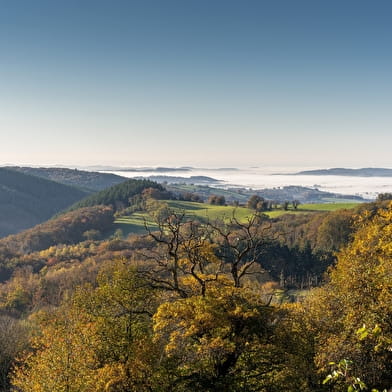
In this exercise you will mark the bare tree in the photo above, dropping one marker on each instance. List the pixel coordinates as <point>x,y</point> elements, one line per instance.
<point>242,244</point>
<point>184,249</point>
<point>204,251</point>
<point>166,256</point>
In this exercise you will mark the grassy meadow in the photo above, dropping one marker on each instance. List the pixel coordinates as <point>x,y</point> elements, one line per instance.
<point>207,212</point>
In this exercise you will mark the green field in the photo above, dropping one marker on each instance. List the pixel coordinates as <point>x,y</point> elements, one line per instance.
<point>134,224</point>
<point>207,212</point>
<point>310,208</point>
<point>204,211</point>
<point>326,206</point>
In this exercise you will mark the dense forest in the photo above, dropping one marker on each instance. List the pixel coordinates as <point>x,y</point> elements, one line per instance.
<point>299,302</point>
<point>118,196</point>
<point>69,228</point>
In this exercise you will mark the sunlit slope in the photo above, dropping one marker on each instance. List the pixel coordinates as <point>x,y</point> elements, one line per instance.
<point>135,223</point>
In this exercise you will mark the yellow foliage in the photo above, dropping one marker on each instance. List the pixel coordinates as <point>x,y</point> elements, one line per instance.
<point>359,293</point>
<point>209,334</point>
<point>62,359</point>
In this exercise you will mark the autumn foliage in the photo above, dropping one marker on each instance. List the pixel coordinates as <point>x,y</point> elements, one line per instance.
<point>172,312</point>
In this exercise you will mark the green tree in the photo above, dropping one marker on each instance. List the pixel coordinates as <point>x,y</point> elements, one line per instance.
<point>384,196</point>
<point>253,202</point>
<point>295,204</point>
<point>217,200</point>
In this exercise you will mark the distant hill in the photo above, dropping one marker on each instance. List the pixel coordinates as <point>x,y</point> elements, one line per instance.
<point>300,193</point>
<point>27,200</point>
<point>364,172</point>
<point>198,180</point>
<point>87,180</point>
<point>119,195</point>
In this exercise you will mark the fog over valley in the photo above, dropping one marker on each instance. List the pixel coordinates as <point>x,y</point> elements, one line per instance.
<point>268,177</point>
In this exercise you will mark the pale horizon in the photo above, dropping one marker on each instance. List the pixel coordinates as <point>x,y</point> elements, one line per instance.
<point>195,165</point>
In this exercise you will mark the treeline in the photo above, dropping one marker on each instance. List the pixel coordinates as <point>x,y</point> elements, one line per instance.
<point>306,244</point>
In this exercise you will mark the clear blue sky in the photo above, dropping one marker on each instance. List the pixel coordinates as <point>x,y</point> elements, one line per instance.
<point>196,82</point>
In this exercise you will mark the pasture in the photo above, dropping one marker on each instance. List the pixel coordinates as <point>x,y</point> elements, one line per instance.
<point>204,212</point>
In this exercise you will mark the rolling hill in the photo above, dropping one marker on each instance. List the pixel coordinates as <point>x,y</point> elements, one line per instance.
<point>87,180</point>
<point>26,200</point>
<point>339,171</point>
<point>118,195</point>
<point>204,212</point>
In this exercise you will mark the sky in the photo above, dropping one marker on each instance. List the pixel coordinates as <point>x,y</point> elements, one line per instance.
<point>196,82</point>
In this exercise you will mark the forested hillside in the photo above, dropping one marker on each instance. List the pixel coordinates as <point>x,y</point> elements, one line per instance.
<point>69,228</point>
<point>27,200</point>
<point>118,196</point>
<point>86,180</point>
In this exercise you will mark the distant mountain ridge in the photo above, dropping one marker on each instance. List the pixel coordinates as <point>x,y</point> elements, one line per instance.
<point>156,169</point>
<point>339,171</point>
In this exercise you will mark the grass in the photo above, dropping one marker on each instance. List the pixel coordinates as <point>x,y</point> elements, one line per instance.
<point>326,206</point>
<point>134,224</point>
<point>311,208</point>
<point>206,212</point>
